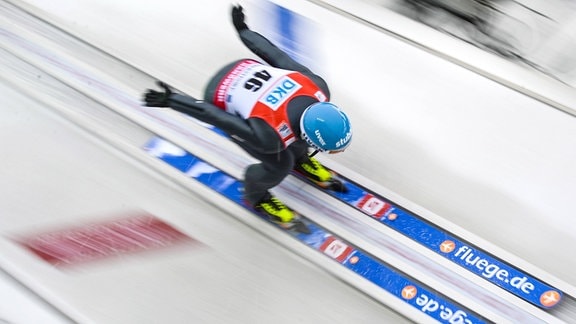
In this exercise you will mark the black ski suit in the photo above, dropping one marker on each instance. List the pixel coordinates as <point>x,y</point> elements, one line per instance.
<point>255,135</point>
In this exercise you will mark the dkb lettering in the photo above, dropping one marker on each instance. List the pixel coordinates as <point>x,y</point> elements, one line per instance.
<point>280,92</point>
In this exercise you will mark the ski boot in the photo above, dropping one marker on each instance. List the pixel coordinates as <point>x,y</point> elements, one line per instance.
<point>315,172</point>
<point>280,214</point>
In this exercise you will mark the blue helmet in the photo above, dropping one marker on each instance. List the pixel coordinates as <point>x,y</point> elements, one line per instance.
<point>325,127</point>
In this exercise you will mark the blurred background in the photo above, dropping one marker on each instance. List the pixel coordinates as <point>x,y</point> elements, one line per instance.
<point>539,34</point>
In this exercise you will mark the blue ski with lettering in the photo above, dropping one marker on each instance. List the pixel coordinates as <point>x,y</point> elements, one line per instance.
<point>440,241</point>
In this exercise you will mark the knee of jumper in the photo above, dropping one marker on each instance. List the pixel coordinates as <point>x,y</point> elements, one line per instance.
<point>268,172</point>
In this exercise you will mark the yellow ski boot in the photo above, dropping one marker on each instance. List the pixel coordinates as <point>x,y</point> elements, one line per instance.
<point>280,214</point>
<point>317,173</point>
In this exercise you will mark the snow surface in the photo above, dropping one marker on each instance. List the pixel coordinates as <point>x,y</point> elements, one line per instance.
<point>497,163</point>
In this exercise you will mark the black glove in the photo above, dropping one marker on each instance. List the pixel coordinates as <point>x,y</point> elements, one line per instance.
<point>238,18</point>
<point>154,98</point>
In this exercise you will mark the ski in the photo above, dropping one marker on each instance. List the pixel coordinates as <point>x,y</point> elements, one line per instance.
<point>455,249</point>
<point>423,298</point>
<point>434,238</point>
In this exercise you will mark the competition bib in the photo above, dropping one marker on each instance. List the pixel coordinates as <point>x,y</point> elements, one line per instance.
<point>252,89</point>
<point>259,84</point>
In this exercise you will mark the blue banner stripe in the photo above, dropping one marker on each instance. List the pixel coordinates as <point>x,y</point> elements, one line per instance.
<point>286,29</point>
<point>419,296</point>
<point>292,33</point>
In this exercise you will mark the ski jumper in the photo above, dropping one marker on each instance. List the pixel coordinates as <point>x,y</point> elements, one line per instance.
<point>259,106</point>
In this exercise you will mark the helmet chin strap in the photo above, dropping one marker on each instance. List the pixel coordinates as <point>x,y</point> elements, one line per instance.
<point>303,136</point>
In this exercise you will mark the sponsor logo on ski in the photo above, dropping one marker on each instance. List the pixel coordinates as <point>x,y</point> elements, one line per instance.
<point>550,298</point>
<point>373,206</point>
<point>354,259</point>
<point>336,249</point>
<point>435,308</point>
<point>469,258</point>
<point>409,292</point>
<point>447,246</point>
